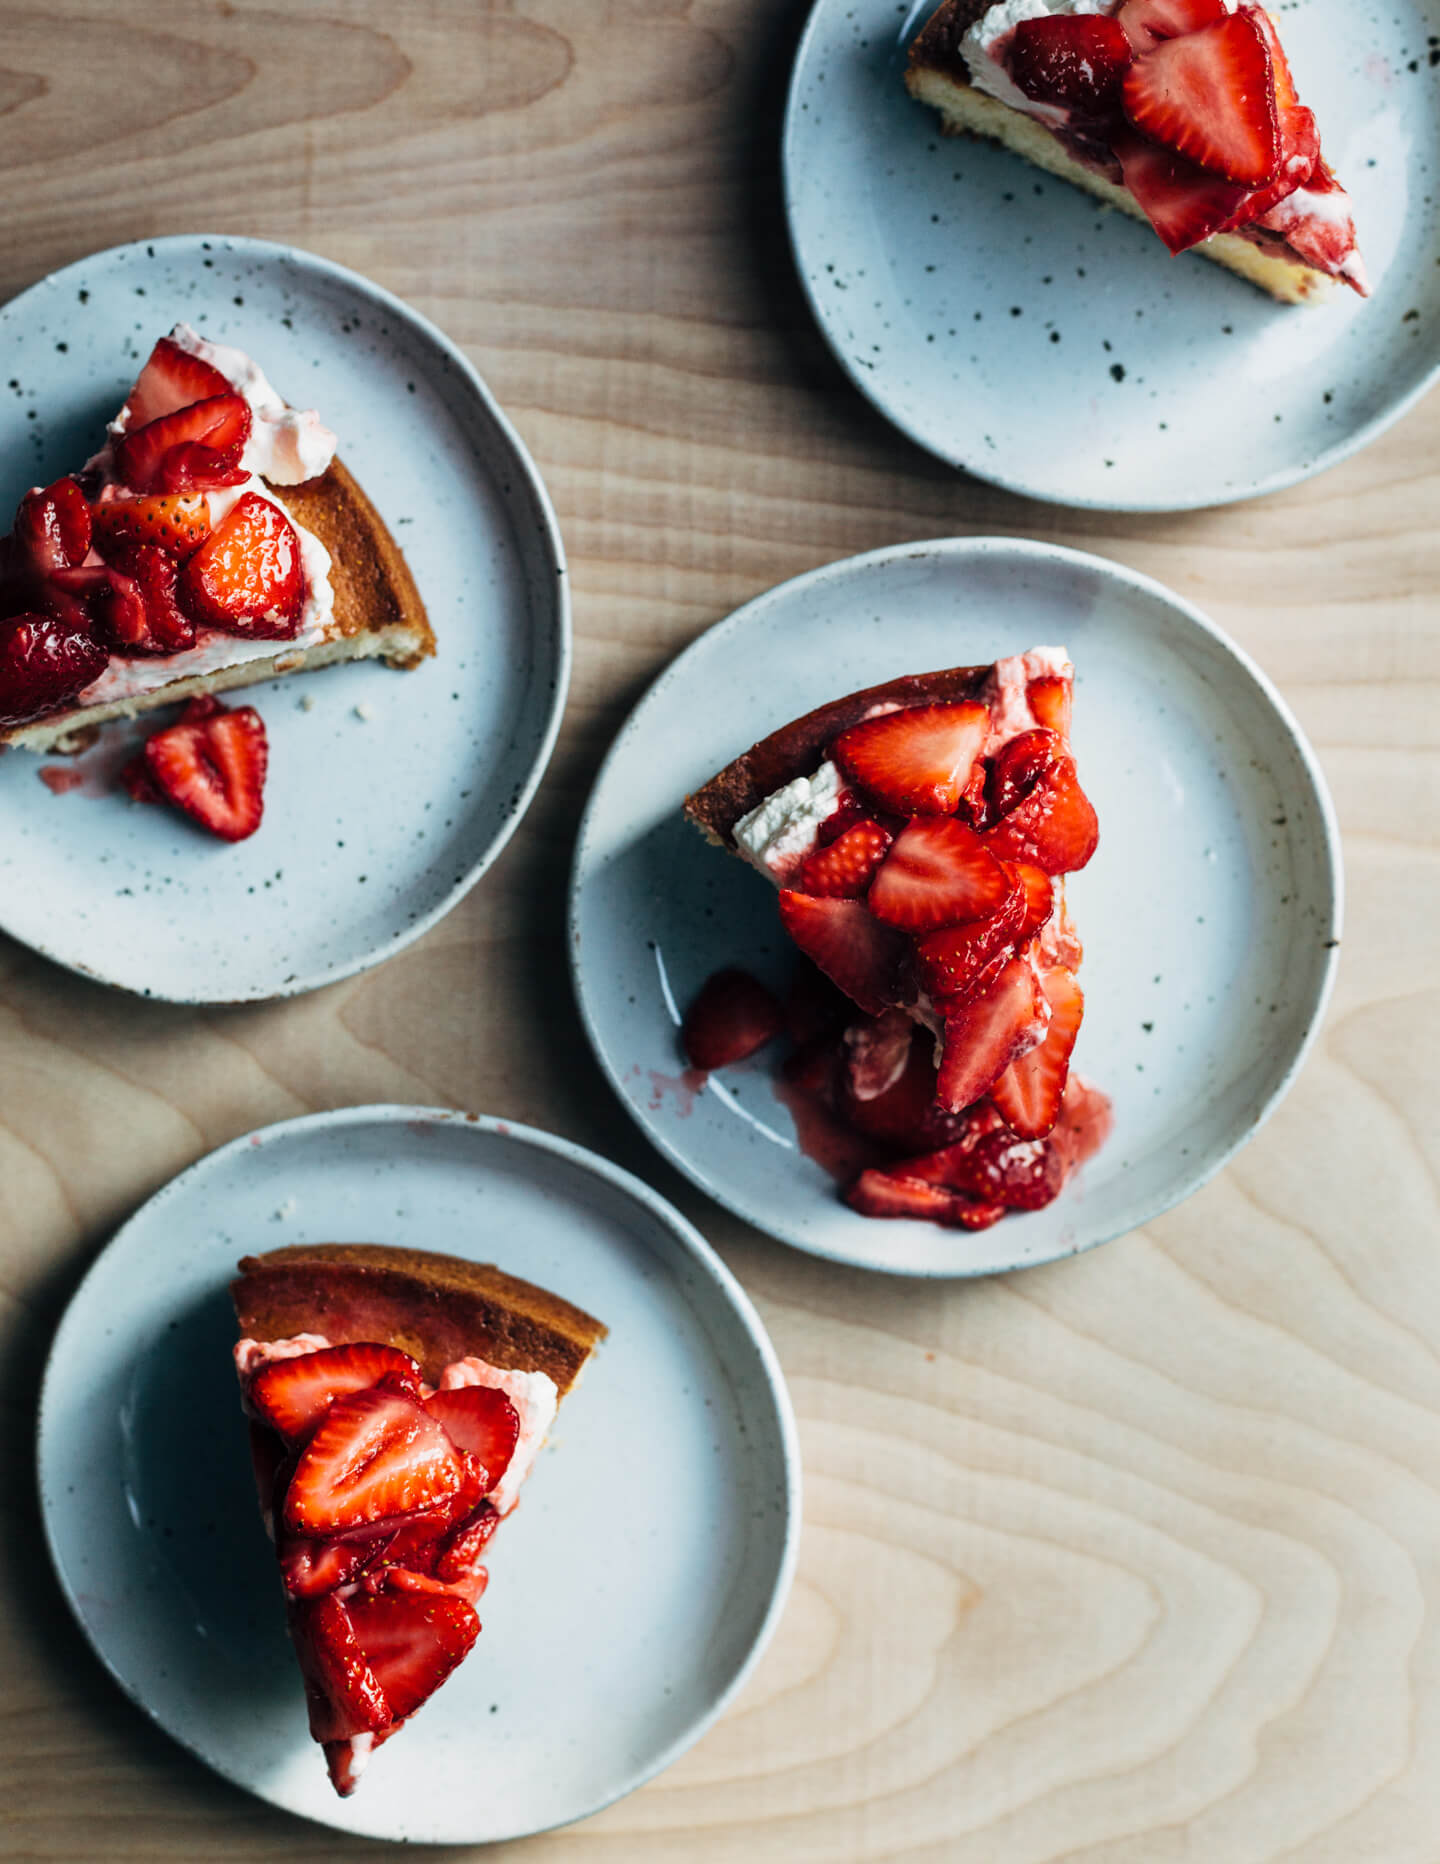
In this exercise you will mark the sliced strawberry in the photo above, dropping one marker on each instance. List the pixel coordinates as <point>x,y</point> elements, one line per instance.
<point>733,1016</point>
<point>221,425</point>
<point>851,947</point>
<point>247,577</point>
<point>843,868</point>
<point>952,961</point>
<point>411,1642</point>
<point>190,468</point>
<point>172,378</point>
<point>993,1166</point>
<point>44,664</point>
<point>1183,202</point>
<point>904,1116</point>
<point>1073,60</point>
<point>52,527</point>
<point>178,522</point>
<point>1038,891</point>
<point>1018,766</point>
<point>137,613</point>
<point>1050,700</point>
<point>988,1030</point>
<point>482,1423</point>
<point>1147,22</point>
<point>813,1005</point>
<point>309,1568</point>
<point>914,762</point>
<point>974,807</point>
<point>461,1550</point>
<point>213,768</point>
<point>1210,97</point>
<point>939,873</point>
<point>343,1692</point>
<point>1029,1092</point>
<point>375,1454</point>
<point>878,1193</point>
<point>1054,828</point>
<point>293,1395</point>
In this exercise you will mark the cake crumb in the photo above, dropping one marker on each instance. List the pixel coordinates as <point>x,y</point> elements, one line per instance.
<point>307,702</point>
<point>285,1211</point>
<point>365,710</point>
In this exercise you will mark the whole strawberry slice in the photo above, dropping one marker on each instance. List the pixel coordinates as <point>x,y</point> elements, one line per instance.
<point>850,946</point>
<point>375,1455</point>
<point>411,1641</point>
<point>953,961</point>
<point>1210,96</point>
<point>1073,60</point>
<point>939,873</point>
<point>877,1193</point>
<point>44,664</point>
<point>221,425</point>
<point>914,762</point>
<point>212,765</point>
<point>845,867</point>
<point>52,527</point>
<point>482,1423</point>
<point>1030,1091</point>
<point>1182,201</point>
<point>178,522</point>
<point>1050,700</point>
<point>292,1395</point>
<point>1054,827</point>
<point>985,1032</point>
<point>733,1016</point>
<point>247,577</point>
<point>172,378</point>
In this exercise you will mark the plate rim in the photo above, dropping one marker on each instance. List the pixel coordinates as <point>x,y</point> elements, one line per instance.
<point>955,550</point>
<point>1080,498</point>
<point>271,252</point>
<point>684,1233</point>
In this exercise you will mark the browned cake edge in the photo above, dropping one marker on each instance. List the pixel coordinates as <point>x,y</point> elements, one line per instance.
<point>378,612</point>
<point>437,1308</point>
<point>794,750</point>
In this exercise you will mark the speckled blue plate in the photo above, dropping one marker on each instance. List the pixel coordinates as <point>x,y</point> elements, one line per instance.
<point>389,794</point>
<point>647,1564</point>
<point>1013,326</point>
<point>1210,912</point>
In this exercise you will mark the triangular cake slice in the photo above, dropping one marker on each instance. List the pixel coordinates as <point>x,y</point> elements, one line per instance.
<point>397,1400</point>
<point>1179,112</point>
<point>919,833</point>
<point>213,541</point>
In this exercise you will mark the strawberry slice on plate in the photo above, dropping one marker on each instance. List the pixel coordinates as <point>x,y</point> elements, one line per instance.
<point>849,944</point>
<point>1031,1089</point>
<point>374,1455</point>
<point>44,663</point>
<point>877,1193</point>
<point>1182,201</point>
<point>1210,96</point>
<point>917,761</point>
<point>938,873</point>
<point>247,577</point>
<point>844,868</point>
<point>212,765</point>
<point>171,379</point>
<point>292,1395</point>
<point>1054,827</point>
<point>219,426</point>
<point>987,1031</point>
<point>411,1641</point>
<point>178,522</point>
<point>732,1017</point>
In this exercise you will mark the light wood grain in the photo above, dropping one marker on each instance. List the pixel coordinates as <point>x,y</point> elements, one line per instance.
<point>1135,1558</point>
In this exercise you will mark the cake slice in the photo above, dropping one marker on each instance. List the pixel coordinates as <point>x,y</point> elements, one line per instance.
<point>1179,112</point>
<point>919,833</point>
<point>397,1401</point>
<point>214,541</point>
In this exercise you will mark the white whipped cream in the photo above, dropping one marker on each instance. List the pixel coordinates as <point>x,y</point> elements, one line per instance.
<point>775,837</point>
<point>1007,693</point>
<point>287,445</point>
<point>534,1396</point>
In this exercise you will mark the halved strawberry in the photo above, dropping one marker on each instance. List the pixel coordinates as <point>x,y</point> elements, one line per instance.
<point>877,1193</point>
<point>179,522</point>
<point>953,960</point>
<point>375,1454</point>
<point>988,1030</point>
<point>221,425</point>
<point>293,1395</point>
<point>1073,60</point>
<point>482,1423</point>
<point>1018,766</point>
<point>1055,827</point>
<point>1029,1092</point>
<point>212,766</point>
<point>52,527</point>
<point>991,1165</point>
<point>939,873</point>
<point>1039,895</point>
<point>850,946</point>
<point>914,762</point>
<point>732,1017</point>
<point>1050,700</point>
<point>247,577</point>
<point>44,663</point>
<point>844,867</point>
<point>411,1641</point>
<point>344,1694</point>
<point>1210,96</point>
<point>1147,22</point>
<point>1182,201</point>
<point>142,577</point>
<point>172,378</point>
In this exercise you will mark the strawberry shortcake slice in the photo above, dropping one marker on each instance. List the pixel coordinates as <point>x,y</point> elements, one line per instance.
<point>1179,112</point>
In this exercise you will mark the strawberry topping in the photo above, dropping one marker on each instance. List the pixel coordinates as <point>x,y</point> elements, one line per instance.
<point>178,522</point>
<point>1054,827</point>
<point>212,765</point>
<point>843,868</point>
<point>374,1455</point>
<point>44,664</point>
<point>213,435</point>
<point>171,379</point>
<point>914,762</point>
<point>938,873</point>
<point>136,612</point>
<point>293,1394</point>
<point>954,960</point>
<point>1073,60</point>
<point>1146,22</point>
<point>411,1642</point>
<point>343,1692</point>
<point>1210,97</point>
<point>483,1424</point>
<point>1030,1091</point>
<point>52,527</point>
<point>877,1193</point>
<point>733,1016</point>
<point>986,1031</point>
<point>247,577</point>
<point>850,946</point>
<point>1039,899</point>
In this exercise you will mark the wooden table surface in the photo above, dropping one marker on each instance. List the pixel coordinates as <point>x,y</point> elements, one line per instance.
<point>1135,1558</point>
